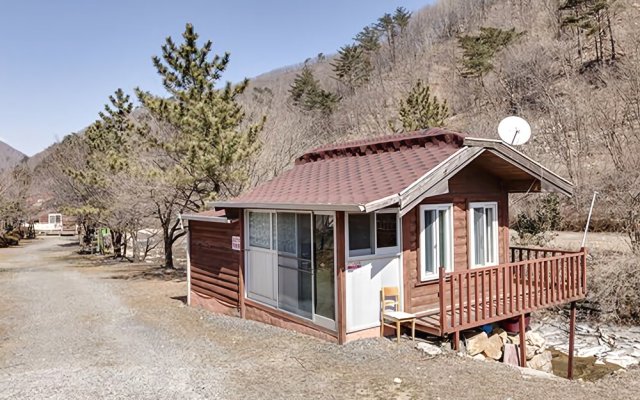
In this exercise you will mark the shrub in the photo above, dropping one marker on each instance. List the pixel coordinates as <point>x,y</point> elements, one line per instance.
<point>536,229</point>
<point>614,284</point>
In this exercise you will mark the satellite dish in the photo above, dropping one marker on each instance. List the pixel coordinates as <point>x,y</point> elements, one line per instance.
<point>514,131</point>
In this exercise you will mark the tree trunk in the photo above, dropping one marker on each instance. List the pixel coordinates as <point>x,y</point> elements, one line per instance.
<point>168,249</point>
<point>116,239</point>
<point>124,244</point>
<point>613,42</point>
<point>135,246</point>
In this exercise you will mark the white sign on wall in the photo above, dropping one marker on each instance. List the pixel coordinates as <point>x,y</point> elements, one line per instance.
<point>235,243</point>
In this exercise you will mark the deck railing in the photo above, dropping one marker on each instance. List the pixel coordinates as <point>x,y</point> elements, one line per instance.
<point>478,296</point>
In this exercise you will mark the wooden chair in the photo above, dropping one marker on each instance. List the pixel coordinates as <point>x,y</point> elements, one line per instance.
<point>389,304</point>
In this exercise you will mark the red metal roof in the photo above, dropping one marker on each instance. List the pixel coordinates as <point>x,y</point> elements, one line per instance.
<point>355,173</point>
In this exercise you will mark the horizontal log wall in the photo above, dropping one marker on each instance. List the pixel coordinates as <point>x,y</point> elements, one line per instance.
<point>468,186</point>
<point>215,267</point>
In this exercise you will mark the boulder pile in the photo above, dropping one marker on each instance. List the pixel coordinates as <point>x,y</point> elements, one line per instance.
<point>491,347</point>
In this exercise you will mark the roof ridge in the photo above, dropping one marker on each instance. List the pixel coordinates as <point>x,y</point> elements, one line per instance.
<point>383,144</point>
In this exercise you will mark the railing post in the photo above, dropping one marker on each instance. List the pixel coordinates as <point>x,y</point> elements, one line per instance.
<point>572,334</point>
<point>442,294</point>
<point>584,270</point>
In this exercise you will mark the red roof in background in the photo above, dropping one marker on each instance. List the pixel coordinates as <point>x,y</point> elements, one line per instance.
<point>356,173</point>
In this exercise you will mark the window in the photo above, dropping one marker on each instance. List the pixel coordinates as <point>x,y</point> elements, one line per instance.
<point>259,230</point>
<point>386,230</point>
<point>360,234</point>
<point>373,233</point>
<point>483,219</point>
<point>436,239</point>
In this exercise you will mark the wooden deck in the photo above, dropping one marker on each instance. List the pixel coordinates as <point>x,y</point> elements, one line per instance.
<point>533,280</point>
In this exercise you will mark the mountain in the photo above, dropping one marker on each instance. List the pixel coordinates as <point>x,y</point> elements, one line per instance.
<point>9,156</point>
<point>577,85</point>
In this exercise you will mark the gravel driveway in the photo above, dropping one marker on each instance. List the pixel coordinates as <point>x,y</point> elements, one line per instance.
<point>71,328</point>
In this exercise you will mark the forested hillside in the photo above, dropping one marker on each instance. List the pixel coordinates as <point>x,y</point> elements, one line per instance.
<point>9,156</point>
<point>570,67</point>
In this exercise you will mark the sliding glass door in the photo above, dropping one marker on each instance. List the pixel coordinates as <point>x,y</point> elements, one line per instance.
<point>304,263</point>
<point>324,267</point>
<point>294,263</point>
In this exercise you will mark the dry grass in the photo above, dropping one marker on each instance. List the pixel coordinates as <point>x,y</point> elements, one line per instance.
<point>614,285</point>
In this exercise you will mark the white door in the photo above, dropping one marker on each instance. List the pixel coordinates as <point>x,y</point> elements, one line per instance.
<point>365,279</point>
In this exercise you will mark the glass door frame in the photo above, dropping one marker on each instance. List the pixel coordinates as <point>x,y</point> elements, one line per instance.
<point>315,318</point>
<point>320,319</point>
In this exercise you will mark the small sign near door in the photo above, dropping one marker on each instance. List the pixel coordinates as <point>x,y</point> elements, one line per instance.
<point>235,243</point>
<point>354,266</point>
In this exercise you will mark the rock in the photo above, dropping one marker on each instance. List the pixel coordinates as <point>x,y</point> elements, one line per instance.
<point>541,362</point>
<point>528,373</point>
<point>593,351</point>
<point>531,351</point>
<point>397,381</point>
<point>493,347</point>
<point>514,339</point>
<point>477,343</point>
<point>502,333</point>
<point>536,340</point>
<point>429,349</point>
<point>479,357</point>
<point>623,361</point>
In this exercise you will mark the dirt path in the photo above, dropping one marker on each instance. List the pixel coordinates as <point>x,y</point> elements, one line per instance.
<point>67,336</point>
<point>71,329</point>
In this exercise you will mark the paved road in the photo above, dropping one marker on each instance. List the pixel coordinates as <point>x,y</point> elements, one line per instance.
<point>66,335</point>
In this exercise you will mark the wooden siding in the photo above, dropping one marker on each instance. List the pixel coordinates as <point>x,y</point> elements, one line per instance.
<point>469,186</point>
<point>215,267</point>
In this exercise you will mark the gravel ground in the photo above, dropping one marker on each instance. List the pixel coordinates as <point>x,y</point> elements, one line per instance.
<point>71,328</point>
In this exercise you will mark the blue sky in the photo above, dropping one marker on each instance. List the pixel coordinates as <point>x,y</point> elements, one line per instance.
<point>60,60</point>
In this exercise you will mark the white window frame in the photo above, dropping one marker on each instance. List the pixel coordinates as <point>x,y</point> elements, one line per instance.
<point>448,207</point>
<point>375,251</point>
<point>472,239</point>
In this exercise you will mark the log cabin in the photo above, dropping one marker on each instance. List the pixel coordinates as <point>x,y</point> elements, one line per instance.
<point>427,212</point>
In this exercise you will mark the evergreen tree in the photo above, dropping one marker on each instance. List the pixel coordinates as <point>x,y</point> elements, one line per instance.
<point>590,20</point>
<point>352,66</point>
<point>419,110</point>
<point>479,50</point>
<point>388,29</point>
<point>109,144</point>
<point>401,18</point>
<point>307,94</point>
<point>198,135</point>
<point>368,39</point>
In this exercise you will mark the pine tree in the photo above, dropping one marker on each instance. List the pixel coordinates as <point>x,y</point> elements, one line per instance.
<point>352,66</point>
<point>388,29</point>
<point>368,39</point>
<point>479,50</point>
<point>419,110</point>
<point>590,20</point>
<point>307,94</point>
<point>109,144</point>
<point>198,134</point>
<point>401,18</point>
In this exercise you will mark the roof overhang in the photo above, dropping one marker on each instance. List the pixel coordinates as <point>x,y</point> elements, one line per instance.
<point>291,206</point>
<point>435,182</point>
<point>549,180</point>
<point>206,218</point>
